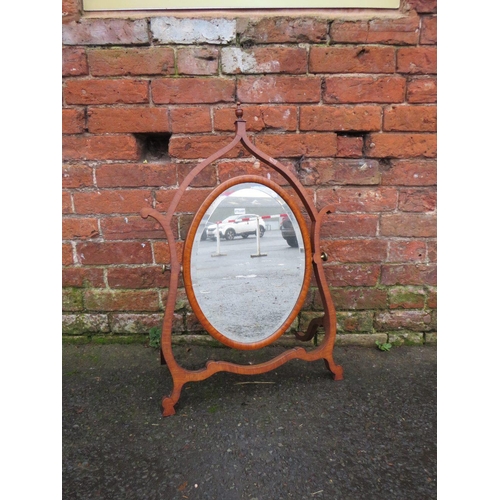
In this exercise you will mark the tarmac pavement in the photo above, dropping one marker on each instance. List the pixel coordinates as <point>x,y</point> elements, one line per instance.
<point>292,433</point>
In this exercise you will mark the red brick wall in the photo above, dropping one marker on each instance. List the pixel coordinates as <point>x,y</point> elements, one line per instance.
<point>347,99</point>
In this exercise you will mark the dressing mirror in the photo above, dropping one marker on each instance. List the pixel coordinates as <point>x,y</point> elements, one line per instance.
<point>246,264</point>
<point>247,273</point>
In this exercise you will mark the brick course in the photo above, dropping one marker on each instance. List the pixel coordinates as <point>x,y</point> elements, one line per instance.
<point>347,102</point>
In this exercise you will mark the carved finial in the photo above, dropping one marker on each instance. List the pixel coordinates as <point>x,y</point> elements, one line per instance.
<point>239,111</point>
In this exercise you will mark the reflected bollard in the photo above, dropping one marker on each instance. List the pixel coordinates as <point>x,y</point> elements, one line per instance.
<point>218,254</point>
<point>257,233</point>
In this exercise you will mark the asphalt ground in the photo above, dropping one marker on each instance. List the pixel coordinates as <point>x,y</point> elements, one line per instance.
<point>292,433</point>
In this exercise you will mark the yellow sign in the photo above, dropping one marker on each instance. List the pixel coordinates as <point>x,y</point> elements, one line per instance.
<point>95,5</point>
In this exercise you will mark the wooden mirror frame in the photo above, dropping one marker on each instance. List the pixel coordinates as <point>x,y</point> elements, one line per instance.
<point>314,257</point>
<point>190,239</point>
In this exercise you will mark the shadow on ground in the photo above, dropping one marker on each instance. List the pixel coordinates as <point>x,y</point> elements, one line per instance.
<point>292,433</point>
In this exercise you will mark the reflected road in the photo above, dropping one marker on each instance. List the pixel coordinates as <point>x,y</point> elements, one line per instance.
<point>247,299</point>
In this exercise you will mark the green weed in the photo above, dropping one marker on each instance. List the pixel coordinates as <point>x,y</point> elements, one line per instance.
<point>383,346</point>
<point>155,337</point>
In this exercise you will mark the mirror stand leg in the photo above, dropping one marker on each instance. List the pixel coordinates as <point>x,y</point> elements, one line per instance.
<point>168,407</point>
<point>336,370</point>
<point>168,403</point>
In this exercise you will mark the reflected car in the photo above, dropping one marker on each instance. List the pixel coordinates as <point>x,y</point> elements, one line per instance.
<point>237,225</point>
<point>287,231</point>
<point>204,224</point>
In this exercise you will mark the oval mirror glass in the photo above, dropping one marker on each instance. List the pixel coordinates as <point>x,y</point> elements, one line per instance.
<point>247,264</point>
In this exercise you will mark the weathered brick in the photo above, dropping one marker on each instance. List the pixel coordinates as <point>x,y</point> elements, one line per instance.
<point>428,36</point>
<point>83,277</point>
<point>356,250</point>
<point>405,338</point>
<point>430,338</point>
<point>207,177</point>
<point>126,324</point>
<point>341,118</point>
<point>409,274</point>
<point>114,201</point>
<point>178,326</point>
<point>432,298</point>
<point>410,173</point>
<point>422,90</point>
<point>190,120</point>
<point>76,176</point>
<point>190,202</point>
<point>409,297</point>
<point>393,31</point>
<point>67,203</point>
<point>359,59</point>
<point>132,61</point>
<point>121,300</point>
<point>401,145</point>
<point>289,145</point>
<point>364,89</point>
<point>361,199</point>
<point>349,146</point>
<point>70,10</point>
<point>79,228</point>
<point>100,147</point>
<point>202,146</point>
<point>136,175</point>
<point>349,225</point>
<point>408,225</point>
<point>432,251</point>
<point>258,118</point>
<point>290,60</point>
<point>279,89</point>
<point>352,274</point>
<point>67,254</point>
<point>79,324</point>
<point>403,320</point>
<point>358,321</point>
<point>128,120</point>
<point>192,324</point>
<point>102,253</point>
<point>106,32</point>
<point>131,228</point>
<point>410,118</point>
<point>73,121</point>
<point>72,299</point>
<point>198,61</point>
<point>274,29</point>
<point>161,251</point>
<point>417,200</point>
<point>137,277</point>
<point>185,222</point>
<point>214,31</point>
<point>407,251</point>
<point>230,169</point>
<point>359,298</point>
<point>192,90</point>
<point>423,6</point>
<point>74,61</point>
<point>114,91</point>
<point>417,60</point>
<point>339,171</point>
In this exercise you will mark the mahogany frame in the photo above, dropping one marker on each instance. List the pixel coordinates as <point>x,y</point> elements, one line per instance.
<point>314,258</point>
<point>188,246</point>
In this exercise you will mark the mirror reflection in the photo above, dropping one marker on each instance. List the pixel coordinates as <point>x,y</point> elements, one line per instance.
<point>248,262</point>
